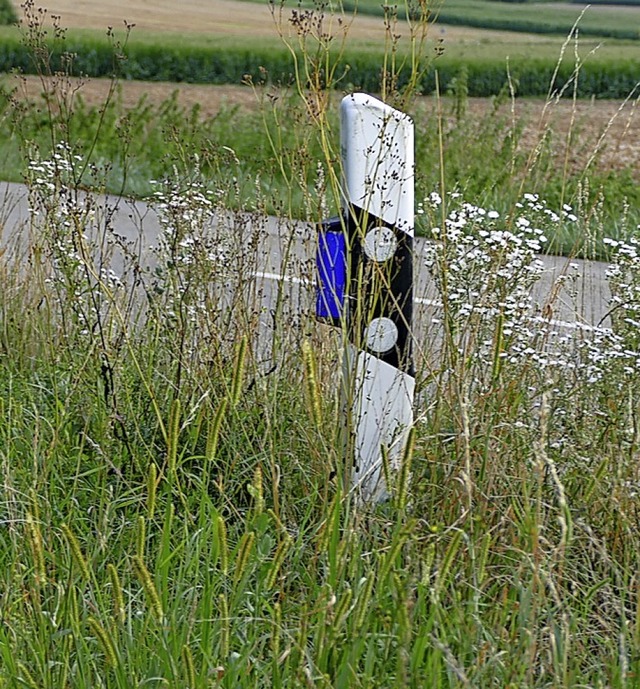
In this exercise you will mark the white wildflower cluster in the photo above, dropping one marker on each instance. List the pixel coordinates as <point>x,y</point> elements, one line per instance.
<point>485,266</point>
<point>624,279</point>
<point>55,204</point>
<point>193,254</point>
<point>186,215</point>
<point>64,226</point>
<point>52,187</point>
<point>617,349</point>
<point>484,273</point>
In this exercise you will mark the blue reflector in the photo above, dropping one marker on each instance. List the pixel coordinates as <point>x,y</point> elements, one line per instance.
<point>331,262</point>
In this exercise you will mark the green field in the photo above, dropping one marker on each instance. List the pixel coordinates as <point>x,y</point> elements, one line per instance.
<point>464,70</point>
<point>552,17</point>
<point>607,72</point>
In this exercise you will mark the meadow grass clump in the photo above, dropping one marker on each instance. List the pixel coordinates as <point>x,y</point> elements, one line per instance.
<point>173,504</point>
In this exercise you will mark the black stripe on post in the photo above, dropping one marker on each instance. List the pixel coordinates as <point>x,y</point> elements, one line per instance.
<point>380,295</point>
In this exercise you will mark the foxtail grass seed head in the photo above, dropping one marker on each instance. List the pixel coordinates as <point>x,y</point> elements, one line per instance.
<point>224,626</point>
<point>390,558</point>
<point>386,466</point>
<point>362,603</point>
<point>173,432</point>
<point>257,492</point>
<point>442,578</point>
<point>189,667</point>
<point>107,643</point>
<point>37,549</point>
<point>26,677</point>
<point>237,379</point>
<point>152,483</point>
<point>149,588</point>
<point>35,503</point>
<point>141,537</point>
<point>276,564</point>
<point>223,547</point>
<point>116,593</point>
<point>311,384</point>
<point>76,552</point>
<point>405,470</point>
<point>214,430</point>
<point>73,609</point>
<point>342,608</point>
<point>244,552</point>
<point>276,632</point>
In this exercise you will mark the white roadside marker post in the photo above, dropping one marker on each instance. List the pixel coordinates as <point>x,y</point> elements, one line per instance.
<point>365,285</point>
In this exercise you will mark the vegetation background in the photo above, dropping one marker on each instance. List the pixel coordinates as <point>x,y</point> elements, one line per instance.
<point>173,505</point>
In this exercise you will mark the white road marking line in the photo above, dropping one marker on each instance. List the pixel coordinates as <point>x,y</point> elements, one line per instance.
<point>417,300</point>
<point>284,278</point>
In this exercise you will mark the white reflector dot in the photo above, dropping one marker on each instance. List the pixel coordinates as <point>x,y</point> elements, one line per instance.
<point>380,244</point>
<point>381,335</point>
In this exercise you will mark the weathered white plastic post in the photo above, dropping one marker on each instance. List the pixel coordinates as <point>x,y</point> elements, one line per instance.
<point>365,285</point>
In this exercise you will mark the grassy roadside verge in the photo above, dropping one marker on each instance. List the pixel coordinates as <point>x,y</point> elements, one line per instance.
<point>173,511</point>
<point>485,154</point>
<point>174,500</point>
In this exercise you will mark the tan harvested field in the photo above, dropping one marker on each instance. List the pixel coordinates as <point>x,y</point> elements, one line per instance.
<point>235,18</point>
<point>588,120</point>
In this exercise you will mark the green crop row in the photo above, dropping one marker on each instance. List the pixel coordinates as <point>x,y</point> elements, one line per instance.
<point>524,17</point>
<point>7,13</point>
<point>232,64</point>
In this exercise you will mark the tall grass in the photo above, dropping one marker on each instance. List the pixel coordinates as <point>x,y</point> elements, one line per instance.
<point>487,155</point>
<point>173,510</point>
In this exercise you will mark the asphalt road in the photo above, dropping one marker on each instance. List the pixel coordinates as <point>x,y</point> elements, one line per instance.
<point>281,259</point>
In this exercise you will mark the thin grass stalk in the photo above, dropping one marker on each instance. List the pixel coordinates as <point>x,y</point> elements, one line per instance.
<point>404,631</point>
